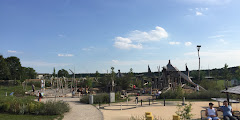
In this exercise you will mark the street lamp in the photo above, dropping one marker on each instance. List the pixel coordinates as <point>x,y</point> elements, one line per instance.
<point>198,48</point>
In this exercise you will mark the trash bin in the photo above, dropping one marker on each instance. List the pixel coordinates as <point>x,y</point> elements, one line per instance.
<point>90,99</point>
<point>112,97</point>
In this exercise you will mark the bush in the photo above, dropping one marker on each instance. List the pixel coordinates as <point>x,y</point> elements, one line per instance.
<point>184,111</point>
<point>55,108</point>
<point>26,105</point>
<point>195,95</point>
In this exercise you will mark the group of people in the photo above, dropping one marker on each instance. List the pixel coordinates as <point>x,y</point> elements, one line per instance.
<point>211,112</point>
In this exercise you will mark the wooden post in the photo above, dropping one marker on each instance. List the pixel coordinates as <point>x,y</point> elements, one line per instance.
<point>164,101</point>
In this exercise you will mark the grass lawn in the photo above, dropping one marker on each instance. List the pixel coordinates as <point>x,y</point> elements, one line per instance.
<point>4,116</point>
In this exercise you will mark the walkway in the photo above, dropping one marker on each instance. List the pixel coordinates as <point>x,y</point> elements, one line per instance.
<point>78,110</point>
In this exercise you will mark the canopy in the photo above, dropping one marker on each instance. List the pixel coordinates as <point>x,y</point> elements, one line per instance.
<point>233,90</point>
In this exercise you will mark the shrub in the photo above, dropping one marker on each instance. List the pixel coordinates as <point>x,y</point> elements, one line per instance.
<point>184,111</point>
<point>26,105</point>
<point>195,95</point>
<point>55,108</point>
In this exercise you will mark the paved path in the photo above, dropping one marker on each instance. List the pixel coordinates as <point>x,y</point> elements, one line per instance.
<point>79,111</point>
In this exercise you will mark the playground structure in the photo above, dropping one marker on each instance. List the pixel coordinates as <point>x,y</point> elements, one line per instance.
<point>170,78</point>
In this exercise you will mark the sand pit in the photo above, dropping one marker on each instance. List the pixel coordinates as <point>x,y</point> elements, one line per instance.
<point>113,112</point>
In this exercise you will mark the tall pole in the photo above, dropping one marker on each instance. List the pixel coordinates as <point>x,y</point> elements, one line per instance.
<point>198,48</point>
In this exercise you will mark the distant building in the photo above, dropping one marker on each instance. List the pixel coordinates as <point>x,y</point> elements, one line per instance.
<point>42,75</point>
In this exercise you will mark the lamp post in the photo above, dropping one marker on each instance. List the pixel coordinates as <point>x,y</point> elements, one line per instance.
<point>198,48</point>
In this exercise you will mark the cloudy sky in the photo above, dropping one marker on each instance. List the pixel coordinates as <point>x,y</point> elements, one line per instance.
<point>91,35</point>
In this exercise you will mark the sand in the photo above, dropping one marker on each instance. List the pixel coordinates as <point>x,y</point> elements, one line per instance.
<point>158,110</point>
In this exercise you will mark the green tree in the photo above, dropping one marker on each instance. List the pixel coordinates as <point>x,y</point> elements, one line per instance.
<point>88,82</point>
<point>226,73</point>
<point>14,66</point>
<point>4,70</point>
<point>237,73</point>
<point>63,73</point>
<point>97,75</point>
<point>104,82</point>
<point>27,73</point>
<point>54,72</point>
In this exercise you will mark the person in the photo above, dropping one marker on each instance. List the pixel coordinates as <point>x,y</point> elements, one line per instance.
<point>33,87</point>
<point>227,111</point>
<point>73,92</point>
<point>197,87</point>
<point>211,113</point>
<point>39,96</point>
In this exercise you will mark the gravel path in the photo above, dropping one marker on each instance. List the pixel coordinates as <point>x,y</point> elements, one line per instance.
<point>79,111</point>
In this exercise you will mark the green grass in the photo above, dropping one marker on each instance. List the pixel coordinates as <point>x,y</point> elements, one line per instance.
<point>10,89</point>
<point>4,116</point>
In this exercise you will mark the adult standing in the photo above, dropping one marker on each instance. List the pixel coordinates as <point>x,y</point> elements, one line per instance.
<point>227,111</point>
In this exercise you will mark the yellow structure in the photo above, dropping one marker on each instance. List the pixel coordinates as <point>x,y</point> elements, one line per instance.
<point>176,117</point>
<point>148,116</point>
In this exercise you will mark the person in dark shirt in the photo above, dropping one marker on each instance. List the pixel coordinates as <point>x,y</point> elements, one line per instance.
<point>227,111</point>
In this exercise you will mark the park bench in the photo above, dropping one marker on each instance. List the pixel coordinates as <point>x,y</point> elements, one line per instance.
<point>220,114</point>
<point>204,117</point>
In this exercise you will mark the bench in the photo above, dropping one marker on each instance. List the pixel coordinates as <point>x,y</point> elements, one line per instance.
<point>204,117</point>
<point>220,114</point>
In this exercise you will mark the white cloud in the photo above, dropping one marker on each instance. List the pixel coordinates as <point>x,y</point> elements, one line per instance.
<point>222,41</point>
<point>188,43</point>
<point>61,35</point>
<point>210,2</point>
<point>65,55</point>
<point>115,61</point>
<point>135,38</point>
<point>198,13</point>
<point>43,64</point>
<point>12,51</point>
<point>153,35</point>
<point>126,43</point>
<point>88,49</point>
<point>174,43</point>
<point>216,36</point>
<point>216,58</point>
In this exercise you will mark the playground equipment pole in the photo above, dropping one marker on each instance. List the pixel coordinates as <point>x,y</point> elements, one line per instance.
<point>198,48</point>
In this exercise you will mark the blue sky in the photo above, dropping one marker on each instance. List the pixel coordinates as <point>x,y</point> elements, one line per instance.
<point>91,35</point>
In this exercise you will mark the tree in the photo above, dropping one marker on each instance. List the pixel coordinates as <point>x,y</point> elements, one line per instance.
<point>4,70</point>
<point>14,66</point>
<point>27,73</point>
<point>237,73</point>
<point>104,82</point>
<point>97,76</point>
<point>54,72</point>
<point>88,82</point>
<point>226,73</point>
<point>63,73</point>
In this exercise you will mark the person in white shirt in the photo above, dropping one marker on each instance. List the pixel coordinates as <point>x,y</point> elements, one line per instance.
<point>211,113</point>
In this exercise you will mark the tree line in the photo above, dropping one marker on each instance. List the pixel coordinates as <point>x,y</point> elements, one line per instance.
<point>11,69</point>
